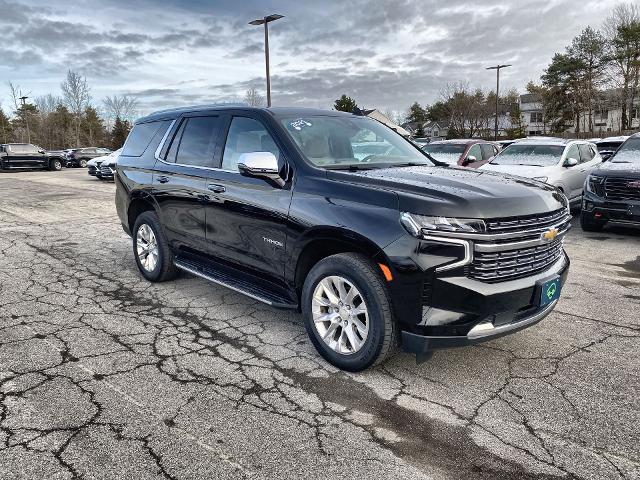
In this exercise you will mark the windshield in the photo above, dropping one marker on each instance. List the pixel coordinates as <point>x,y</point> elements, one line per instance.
<point>629,152</point>
<point>445,152</point>
<point>533,155</point>
<point>351,142</point>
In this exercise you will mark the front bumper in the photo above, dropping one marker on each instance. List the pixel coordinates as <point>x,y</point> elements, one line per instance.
<point>474,312</point>
<point>605,210</point>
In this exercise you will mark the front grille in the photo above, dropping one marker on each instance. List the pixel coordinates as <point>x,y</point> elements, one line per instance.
<point>105,170</point>
<point>619,189</point>
<point>518,247</point>
<point>509,224</point>
<point>513,264</point>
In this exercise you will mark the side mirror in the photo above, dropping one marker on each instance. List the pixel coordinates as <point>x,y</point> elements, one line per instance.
<point>260,165</point>
<point>571,162</point>
<point>41,150</point>
<point>469,159</point>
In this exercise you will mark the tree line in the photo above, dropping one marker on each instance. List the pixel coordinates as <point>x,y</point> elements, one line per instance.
<point>67,120</point>
<point>599,70</point>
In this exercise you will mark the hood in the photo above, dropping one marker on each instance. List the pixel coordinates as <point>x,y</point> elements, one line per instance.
<point>617,169</point>
<point>529,171</point>
<point>459,192</point>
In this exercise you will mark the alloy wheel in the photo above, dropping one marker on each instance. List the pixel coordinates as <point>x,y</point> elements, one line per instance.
<point>147,247</point>
<point>340,315</point>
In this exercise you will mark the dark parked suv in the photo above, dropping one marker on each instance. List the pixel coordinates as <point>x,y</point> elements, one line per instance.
<point>385,250</point>
<point>612,190</point>
<point>78,157</point>
<point>26,155</point>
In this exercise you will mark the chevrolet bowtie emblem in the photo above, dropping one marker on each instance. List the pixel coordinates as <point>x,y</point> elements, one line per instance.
<point>550,235</point>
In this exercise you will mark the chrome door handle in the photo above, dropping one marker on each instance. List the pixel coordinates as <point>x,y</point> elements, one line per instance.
<point>163,179</point>
<point>216,188</point>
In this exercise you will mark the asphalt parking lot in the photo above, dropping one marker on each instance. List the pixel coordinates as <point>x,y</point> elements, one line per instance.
<point>104,375</point>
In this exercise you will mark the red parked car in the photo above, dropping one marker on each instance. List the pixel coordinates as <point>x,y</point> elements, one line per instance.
<point>463,152</point>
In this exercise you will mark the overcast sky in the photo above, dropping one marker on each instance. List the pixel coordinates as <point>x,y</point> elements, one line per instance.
<point>385,54</point>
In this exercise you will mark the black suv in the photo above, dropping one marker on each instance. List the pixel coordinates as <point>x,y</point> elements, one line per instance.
<point>26,155</point>
<point>78,157</point>
<point>390,249</point>
<point>612,190</point>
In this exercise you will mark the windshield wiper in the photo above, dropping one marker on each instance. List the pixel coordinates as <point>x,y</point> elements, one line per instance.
<point>408,164</point>
<point>350,168</point>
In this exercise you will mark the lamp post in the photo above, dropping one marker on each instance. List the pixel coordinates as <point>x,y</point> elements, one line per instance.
<point>23,100</point>
<point>265,21</point>
<point>497,69</point>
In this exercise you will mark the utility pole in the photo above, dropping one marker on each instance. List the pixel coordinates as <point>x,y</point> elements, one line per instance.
<point>265,21</point>
<point>23,99</point>
<point>497,69</point>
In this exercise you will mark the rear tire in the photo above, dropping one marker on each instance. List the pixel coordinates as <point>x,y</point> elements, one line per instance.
<point>344,345</point>
<point>590,224</point>
<point>82,163</point>
<point>151,249</point>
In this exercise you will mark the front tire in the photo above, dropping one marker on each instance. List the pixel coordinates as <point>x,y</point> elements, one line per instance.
<point>151,250</point>
<point>347,312</point>
<point>55,165</point>
<point>590,224</point>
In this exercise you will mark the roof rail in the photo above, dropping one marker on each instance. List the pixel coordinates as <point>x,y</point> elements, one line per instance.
<point>203,106</point>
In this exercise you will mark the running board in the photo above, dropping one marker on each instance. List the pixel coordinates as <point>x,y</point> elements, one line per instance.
<point>234,280</point>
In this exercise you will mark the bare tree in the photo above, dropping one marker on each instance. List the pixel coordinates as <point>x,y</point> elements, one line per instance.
<point>77,97</point>
<point>123,107</point>
<point>253,98</point>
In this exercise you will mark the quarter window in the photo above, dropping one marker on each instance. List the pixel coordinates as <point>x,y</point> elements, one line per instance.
<point>246,135</point>
<point>140,138</point>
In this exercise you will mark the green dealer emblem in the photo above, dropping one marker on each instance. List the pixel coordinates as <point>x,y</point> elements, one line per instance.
<point>551,290</point>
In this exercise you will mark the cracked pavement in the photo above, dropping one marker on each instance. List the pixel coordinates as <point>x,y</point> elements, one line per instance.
<point>104,375</point>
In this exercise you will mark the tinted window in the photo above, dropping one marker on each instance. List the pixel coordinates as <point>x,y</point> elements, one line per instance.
<point>140,138</point>
<point>246,135</point>
<point>586,154</point>
<point>196,143</point>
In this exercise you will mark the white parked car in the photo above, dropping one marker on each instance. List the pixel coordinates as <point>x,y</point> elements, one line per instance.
<point>94,165</point>
<point>564,164</point>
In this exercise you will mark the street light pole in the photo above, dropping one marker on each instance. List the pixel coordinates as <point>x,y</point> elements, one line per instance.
<point>23,100</point>
<point>265,21</point>
<point>497,69</point>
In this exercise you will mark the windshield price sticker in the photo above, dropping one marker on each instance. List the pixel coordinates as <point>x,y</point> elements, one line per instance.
<point>300,124</point>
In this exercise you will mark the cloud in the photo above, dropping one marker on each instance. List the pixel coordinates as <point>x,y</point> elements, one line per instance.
<point>384,54</point>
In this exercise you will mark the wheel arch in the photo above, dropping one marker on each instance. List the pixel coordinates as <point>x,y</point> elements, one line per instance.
<point>138,205</point>
<point>324,242</point>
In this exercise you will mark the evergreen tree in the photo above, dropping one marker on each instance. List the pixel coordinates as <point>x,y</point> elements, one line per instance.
<point>119,133</point>
<point>345,104</point>
<point>416,113</point>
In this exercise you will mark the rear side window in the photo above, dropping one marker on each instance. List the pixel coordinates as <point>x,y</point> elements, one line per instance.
<point>195,142</point>
<point>488,151</point>
<point>586,154</point>
<point>140,138</point>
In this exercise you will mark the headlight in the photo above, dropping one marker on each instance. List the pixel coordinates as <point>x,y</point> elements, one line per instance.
<point>541,179</point>
<point>415,224</point>
<point>593,184</point>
